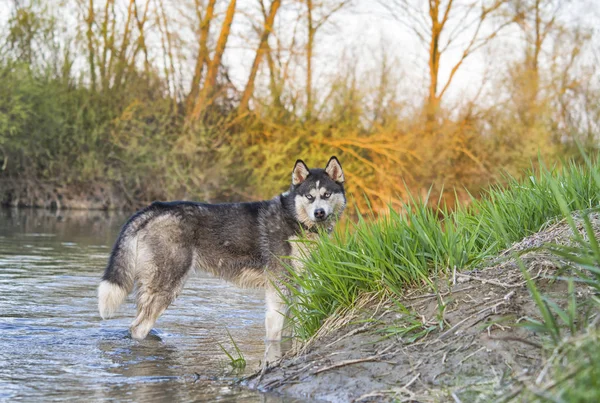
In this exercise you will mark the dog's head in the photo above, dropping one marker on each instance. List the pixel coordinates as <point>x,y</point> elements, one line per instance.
<point>318,194</point>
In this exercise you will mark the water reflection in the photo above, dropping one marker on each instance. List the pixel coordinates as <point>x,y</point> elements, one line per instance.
<point>53,344</point>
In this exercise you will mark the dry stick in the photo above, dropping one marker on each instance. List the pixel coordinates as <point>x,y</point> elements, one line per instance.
<point>412,381</point>
<point>544,370</point>
<point>456,399</point>
<point>346,317</point>
<point>369,395</point>
<point>486,281</point>
<point>510,396</point>
<point>424,296</point>
<point>375,357</point>
<point>358,330</point>
<point>287,378</point>
<point>380,393</point>
<point>514,338</point>
<point>405,387</point>
<point>348,362</point>
<point>470,317</point>
<point>470,355</point>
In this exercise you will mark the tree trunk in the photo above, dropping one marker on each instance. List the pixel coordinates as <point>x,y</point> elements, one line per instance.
<point>534,69</point>
<point>106,45</point>
<point>169,53</point>
<point>111,46</point>
<point>309,54</point>
<point>142,39</point>
<point>434,60</point>
<point>202,58</point>
<point>274,86</point>
<point>263,47</point>
<point>122,61</point>
<point>213,68</point>
<point>90,38</point>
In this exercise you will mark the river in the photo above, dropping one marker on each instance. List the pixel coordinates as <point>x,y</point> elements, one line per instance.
<point>54,345</point>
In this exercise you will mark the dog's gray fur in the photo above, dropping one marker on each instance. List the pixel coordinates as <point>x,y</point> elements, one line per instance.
<point>244,243</point>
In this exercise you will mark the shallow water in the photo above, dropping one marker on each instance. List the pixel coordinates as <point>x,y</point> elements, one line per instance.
<point>54,346</point>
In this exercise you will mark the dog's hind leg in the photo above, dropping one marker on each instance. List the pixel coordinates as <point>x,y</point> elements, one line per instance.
<point>157,291</point>
<point>150,307</point>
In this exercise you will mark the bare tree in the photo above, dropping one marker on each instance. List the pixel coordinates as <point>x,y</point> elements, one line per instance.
<point>215,63</point>
<point>202,59</point>
<point>279,61</point>
<point>263,48</point>
<point>537,20</point>
<point>122,54</point>
<point>90,39</point>
<point>446,24</point>
<point>141,42</point>
<point>317,14</point>
<point>107,42</point>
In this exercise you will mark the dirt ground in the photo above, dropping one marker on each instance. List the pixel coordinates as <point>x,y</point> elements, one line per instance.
<point>462,344</point>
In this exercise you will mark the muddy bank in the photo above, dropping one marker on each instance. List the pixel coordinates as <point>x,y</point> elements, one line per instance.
<point>34,193</point>
<point>464,342</point>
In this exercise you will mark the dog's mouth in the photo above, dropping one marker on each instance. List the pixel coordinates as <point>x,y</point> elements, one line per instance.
<point>327,221</point>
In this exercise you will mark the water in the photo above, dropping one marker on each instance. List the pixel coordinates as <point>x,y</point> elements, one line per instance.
<point>54,346</point>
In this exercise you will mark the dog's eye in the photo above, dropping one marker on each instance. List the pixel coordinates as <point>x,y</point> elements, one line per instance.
<point>310,197</point>
<point>327,195</point>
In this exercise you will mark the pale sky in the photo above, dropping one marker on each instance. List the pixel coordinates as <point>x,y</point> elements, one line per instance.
<point>362,32</point>
<point>366,29</point>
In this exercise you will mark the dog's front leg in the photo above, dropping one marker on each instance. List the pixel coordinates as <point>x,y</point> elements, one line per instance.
<point>276,313</point>
<point>272,353</point>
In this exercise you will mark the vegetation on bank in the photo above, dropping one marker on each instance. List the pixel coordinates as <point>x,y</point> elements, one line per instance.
<point>135,98</point>
<point>409,246</point>
<point>415,247</point>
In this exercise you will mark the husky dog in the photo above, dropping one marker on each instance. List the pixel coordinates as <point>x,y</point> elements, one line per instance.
<point>245,243</point>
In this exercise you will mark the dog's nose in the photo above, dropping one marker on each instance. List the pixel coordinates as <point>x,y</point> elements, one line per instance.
<point>319,214</point>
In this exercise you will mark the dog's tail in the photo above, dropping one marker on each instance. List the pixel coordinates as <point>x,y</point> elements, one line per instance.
<point>117,281</point>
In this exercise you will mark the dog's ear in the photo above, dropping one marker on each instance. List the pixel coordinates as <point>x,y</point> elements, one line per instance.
<point>299,173</point>
<point>334,170</point>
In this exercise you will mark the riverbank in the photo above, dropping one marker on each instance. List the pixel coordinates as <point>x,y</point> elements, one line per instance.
<point>42,194</point>
<point>467,338</point>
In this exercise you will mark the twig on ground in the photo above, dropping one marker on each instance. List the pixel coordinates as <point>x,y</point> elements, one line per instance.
<point>358,330</point>
<point>456,399</point>
<point>395,391</point>
<point>470,355</point>
<point>348,362</point>
<point>489,281</point>
<point>447,332</point>
<point>519,339</point>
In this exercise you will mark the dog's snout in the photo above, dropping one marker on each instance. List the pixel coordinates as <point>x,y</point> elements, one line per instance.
<point>319,214</point>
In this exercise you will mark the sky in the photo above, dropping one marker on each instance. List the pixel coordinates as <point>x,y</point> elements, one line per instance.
<point>359,35</point>
<point>365,31</point>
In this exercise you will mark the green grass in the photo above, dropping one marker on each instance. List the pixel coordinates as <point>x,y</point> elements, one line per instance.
<point>392,253</point>
<point>407,248</point>
<point>572,328</point>
<point>238,361</point>
<point>575,373</point>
